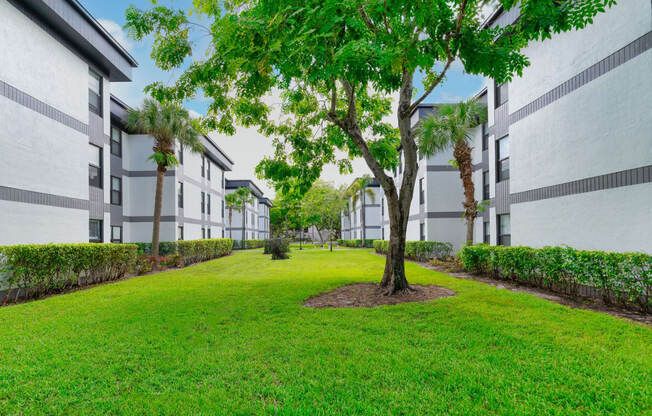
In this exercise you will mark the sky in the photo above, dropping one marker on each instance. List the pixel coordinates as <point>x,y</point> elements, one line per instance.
<point>247,147</point>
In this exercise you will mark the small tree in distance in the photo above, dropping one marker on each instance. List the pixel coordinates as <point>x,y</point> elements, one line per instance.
<point>322,206</point>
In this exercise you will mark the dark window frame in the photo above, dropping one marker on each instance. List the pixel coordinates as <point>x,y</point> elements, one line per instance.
<point>114,240</point>
<point>180,232</point>
<point>118,191</point>
<point>501,94</point>
<point>486,232</point>
<point>116,143</point>
<point>180,158</point>
<point>99,181</point>
<point>208,203</point>
<point>222,209</point>
<point>422,231</point>
<point>208,232</point>
<point>208,169</point>
<point>101,231</point>
<point>203,202</point>
<point>422,196</point>
<point>203,233</point>
<point>485,136</point>
<point>485,185</point>
<point>504,239</point>
<point>100,96</point>
<point>180,195</point>
<point>203,166</point>
<point>500,176</point>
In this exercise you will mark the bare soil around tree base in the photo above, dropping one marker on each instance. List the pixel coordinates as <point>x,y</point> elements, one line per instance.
<point>368,295</point>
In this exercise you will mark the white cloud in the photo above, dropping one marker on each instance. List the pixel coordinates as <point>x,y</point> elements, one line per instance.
<point>117,32</point>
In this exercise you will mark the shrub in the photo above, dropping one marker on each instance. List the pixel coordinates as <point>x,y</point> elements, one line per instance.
<point>38,269</point>
<point>143,264</point>
<point>194,251</point>
<point>357,243</point>
<point>254,243</point>
<point>279,248</point>
<point>173,260</point>
<point>164,248</point>
<point>419,250</point>
<point>625,278</point>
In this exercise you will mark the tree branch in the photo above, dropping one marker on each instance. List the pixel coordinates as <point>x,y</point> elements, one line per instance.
<point>367,20</point>
<point>449,56</point>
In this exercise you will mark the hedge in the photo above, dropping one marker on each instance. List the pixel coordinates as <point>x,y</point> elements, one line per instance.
<point>624,278</point>
<point>356,243</point>
<point>39,269</point>
<point>194,251</point>
<point>164,248</point>
<point>247,244</point>
<point>419,250</point>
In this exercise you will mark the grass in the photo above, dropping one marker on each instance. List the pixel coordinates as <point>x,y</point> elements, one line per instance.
<point>230,337</point>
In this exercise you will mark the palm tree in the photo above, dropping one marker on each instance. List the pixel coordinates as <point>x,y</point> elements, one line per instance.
<point>168,123</point>
<point>232,202</point>
<point>244,198</point>
<point>451,127</point>
<point>357,191</point>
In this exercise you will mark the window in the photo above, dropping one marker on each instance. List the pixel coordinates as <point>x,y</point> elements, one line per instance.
<point>95,231</point>
<point>502,94</point>
<point>422,232</point>
<point>203,166</point>
<point>208,205</point>
<point>223,180</point>
<point>94,92</point>
<point>203,202</point>
<point>502,159</point>
<point>222,232</point>
<point>504,230</point>
<point>253,220</point>
<point>116,141</point>
<point>222,208</point>
<point>485,232</point>
<point>180,232</point>
<point>180,195</point>
<point>94,166</point>
<point>383,232</point>
<point>382,207</point>
<point>485,185</point>
<point>116,190</point>
<point>208,169</point>
<point>485,136</point>
<point>421,195</point>
<point>209,232</point>
<point>203,233</point>
<point>116,234</point>
<point>180,154</point>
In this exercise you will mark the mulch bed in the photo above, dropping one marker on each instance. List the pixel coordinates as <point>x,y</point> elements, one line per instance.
<point>368,295</point>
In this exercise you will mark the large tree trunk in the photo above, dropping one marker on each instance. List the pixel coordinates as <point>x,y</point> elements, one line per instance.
<point>394,280</point>
<point>462,154</point>
<point>158,204</point>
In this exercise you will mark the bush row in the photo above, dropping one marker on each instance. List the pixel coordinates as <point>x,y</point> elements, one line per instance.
<point>247,244</point>
<point>194,251</point>
<point>38,269</point>
<point>356,243</point>
<point>419,250</point>
<point>165,248</point>
<point>624,278</point>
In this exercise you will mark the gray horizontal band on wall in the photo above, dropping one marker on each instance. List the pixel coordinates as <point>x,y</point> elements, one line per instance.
<point>26,100</point>
<point>627,177</point>
<point>632,50</point>
<point>144,173</point>
<point>441,168</point>
<point>150,218</point>
<point>201,222</point>
<point>206,187</point>
<point>437,215</point>
<point>41,198</point>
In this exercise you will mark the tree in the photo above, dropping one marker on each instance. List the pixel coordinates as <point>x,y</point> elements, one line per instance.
<point>232,203</point>
<point>359,191</point>
<point>451,127</point>
<point>166,122</point>
<point>244,197</point>
<point>322,206</point>
<point>336,65</point>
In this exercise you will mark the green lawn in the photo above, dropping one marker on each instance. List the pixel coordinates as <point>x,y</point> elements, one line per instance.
<point>230,337</point>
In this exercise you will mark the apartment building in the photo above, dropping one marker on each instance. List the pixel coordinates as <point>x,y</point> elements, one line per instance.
<point>566,157</point>
<point>362,218</point>
<point>264,207</point>
<point>245,223</point>
<point>58,66</point>
<point>70,171</point>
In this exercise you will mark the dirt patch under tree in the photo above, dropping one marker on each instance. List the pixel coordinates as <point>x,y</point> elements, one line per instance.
<point>368,295</point>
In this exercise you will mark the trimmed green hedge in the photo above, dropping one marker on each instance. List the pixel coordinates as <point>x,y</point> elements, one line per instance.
<point>39,269</point>
<point>419,250</point>
<point>247,244</point>
<point>356,243</point>
<point>164,248</point>
<point>194,251</point>
<point>624,278</point>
